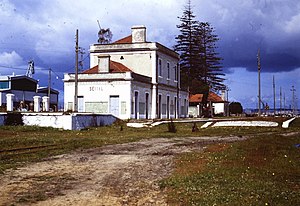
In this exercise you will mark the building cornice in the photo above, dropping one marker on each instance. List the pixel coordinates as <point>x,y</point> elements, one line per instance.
<point>132,47</point>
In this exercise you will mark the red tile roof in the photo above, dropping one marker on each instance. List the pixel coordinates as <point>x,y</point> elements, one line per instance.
<point>214,97</point>
<point>125,40</point>
<point>198,98</point>
<point>114,67</point>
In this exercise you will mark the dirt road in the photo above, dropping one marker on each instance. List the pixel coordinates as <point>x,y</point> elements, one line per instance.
<point>124,174</point>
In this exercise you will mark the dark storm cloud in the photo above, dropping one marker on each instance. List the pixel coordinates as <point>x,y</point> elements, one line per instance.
<point>45,30</point>
<point>245,26</point>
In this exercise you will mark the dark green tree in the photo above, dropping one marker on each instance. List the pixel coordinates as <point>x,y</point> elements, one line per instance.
<point>211,74</point>
<point>235,108</point>
<point>187,48</point>
<point>199,62</point>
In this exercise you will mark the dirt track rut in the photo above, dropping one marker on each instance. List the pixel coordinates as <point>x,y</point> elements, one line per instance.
<point>124,174</point>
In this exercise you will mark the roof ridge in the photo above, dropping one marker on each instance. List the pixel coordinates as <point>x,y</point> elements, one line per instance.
<point>125,40</point>
<point>115,67</point>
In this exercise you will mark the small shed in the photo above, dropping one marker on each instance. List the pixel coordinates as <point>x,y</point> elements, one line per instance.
<point>199,106</point>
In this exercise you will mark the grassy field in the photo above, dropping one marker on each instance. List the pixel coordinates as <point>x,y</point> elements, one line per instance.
<point>262,170</point>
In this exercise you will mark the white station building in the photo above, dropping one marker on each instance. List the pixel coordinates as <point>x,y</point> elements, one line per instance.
<point>131,79</point>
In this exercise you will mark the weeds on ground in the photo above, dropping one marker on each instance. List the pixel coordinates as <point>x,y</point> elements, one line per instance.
<point>22,144</point>
<point>263,170</point>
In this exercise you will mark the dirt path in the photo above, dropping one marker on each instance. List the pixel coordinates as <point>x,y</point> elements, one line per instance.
<point>124,174</point>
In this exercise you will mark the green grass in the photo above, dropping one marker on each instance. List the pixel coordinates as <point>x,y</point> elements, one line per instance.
<point>224,174</point>
<point>263,170</point>
<point>22,144</point>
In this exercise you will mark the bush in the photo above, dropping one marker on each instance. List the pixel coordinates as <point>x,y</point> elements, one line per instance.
<point>13,118</point>
<point>235,108</point>
<point>171,126</point>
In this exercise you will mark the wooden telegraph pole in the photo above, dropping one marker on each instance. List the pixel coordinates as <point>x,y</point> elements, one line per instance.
<point>76,74</point>
<point>259,91</point>
<point>293,99</point>
<point>274,96</point>
<point>49,87</point>
<point>280,101</point>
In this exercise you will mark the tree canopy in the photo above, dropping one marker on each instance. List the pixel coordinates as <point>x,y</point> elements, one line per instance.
<point>235,108</point>
<point>200,65</point>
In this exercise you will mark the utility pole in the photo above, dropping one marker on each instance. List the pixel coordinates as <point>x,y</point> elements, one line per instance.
<point>49,85</point>
<point>293,99</point>
<point>259,91</point>
<point>76,74</point>
<point>227,99</point>
<point>274,96</point>
<point>280,94</point>
<point>284,102</point>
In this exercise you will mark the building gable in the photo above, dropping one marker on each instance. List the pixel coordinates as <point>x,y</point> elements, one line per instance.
<point>114,67</point>
<point>125,40</point>
<point>212,97</point>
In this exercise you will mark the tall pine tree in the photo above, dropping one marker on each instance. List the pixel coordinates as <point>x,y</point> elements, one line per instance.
<point>187,48</point>
<point>212,74</point>
<point>199,61</point>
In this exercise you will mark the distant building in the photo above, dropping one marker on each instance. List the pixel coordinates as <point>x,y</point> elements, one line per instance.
<point>215,105</point>
<point>131,79</point>
<point>24,89</point>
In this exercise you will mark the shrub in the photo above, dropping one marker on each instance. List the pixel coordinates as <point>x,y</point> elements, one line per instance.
<point>235,108</point>
<point>13,118</point>
<point>171,126</point>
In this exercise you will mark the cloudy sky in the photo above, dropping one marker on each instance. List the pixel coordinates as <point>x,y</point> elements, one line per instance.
<point>45,32</point>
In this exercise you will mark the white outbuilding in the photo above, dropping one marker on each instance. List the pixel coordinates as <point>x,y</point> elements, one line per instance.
<point>18,92</point>
<point>131,79</point>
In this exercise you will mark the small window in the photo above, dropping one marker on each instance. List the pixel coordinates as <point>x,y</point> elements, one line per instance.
<point>168,68</point>
<point>159,67</point>
<point>176,73</point>
<point>4,85</point>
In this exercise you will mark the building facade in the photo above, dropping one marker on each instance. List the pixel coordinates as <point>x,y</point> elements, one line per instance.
<point>131,79</point>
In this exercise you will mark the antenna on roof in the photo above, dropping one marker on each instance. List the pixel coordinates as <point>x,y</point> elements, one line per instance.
<point>104,35</point>
<point>30,69</point>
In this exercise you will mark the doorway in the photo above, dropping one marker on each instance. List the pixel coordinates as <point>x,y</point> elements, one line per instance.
<point>114,105</point>
<point>80,100</point>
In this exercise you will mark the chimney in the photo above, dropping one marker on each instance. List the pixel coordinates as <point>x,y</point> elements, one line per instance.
<point>138,34</point>
<point>103,63</point>
<point>223,95</point>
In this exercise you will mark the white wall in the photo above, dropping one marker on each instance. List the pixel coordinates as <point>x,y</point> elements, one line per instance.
<point>142,89</point>
<point>66,122</point>
<point>163,78</point>
<point>98,93</point>
<point>138,62</point>
<point>219,108</point>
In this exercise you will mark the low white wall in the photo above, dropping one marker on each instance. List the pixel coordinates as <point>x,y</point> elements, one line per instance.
<point>287,123</point>
<point>81,121</point>
<point>46,120</point>
<point>61,121</point>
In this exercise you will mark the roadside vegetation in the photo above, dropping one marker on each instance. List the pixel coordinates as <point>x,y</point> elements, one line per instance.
<point>263,170</point>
